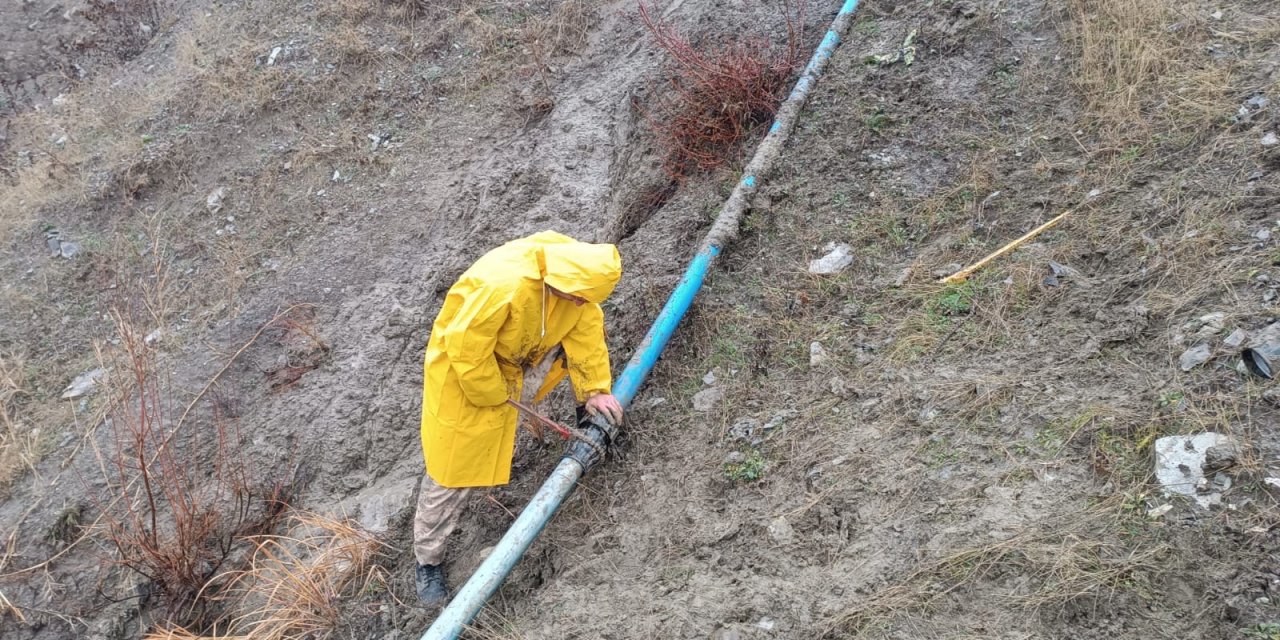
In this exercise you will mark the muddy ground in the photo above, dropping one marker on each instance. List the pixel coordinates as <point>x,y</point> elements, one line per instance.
<point>955,461</point>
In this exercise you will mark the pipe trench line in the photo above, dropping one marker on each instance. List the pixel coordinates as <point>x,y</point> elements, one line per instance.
<point>486,580</point>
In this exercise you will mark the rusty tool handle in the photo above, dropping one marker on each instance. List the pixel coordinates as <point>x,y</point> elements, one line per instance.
<point>541,419</point>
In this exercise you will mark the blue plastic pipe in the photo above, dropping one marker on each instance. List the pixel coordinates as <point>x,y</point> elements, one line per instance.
<point>494,570</point>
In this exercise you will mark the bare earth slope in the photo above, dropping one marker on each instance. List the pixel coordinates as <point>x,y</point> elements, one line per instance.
<point>952,461</point>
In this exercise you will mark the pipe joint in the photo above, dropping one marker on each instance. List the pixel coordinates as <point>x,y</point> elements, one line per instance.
<point>599,433</point>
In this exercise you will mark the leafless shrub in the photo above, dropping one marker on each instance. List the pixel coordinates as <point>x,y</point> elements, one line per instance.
<point>718,94</point>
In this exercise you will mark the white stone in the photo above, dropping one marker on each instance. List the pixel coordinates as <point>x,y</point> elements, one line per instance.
<point>840,257</point>
<point>1180,466</point>
<point>1270,140</point>
<point>710,378</point>
<point>1159,511</point>
<point>707,399</point>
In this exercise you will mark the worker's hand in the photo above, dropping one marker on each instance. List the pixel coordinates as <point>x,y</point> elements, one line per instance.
<point>605,403</point>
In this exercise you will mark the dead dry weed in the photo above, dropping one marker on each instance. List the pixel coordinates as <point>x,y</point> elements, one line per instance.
<point>295,585</point>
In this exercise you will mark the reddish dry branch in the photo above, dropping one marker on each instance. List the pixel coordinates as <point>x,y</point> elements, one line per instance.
<point>718,95</point>
<point>173,511</point>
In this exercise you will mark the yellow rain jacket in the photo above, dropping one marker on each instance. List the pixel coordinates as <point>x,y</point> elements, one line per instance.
<point>497,320</point>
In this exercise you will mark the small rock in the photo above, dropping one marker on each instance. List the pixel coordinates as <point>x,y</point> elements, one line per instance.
<point>1093,193</point>
<point>154,336</point>
<point>1274,483</point>
<point>766,623</point>
<point>1258,102</point>
<point>275,53</point>
<point>745,429</point>
<point>726,634</point>
<point>708,399</point>
<point>1270,140</point>
<point>1262,600</point>
<point>818,356</point>
<point>1236,339</point>
<point>68,250</point>
<point>837,260</point>
<point>1194,357</point>
<point>83,384</point>
<point>55,246</point>
<point>1221,457</point>
<point>735,457</point>
<point>213,202</point>
<point>709,379</point>
<point>1263,234</point>
<point>780,530</point>
<point>1216,15</point>
<point>1159,511</point>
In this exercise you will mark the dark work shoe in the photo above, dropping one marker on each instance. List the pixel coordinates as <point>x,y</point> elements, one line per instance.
<point>432,588</point>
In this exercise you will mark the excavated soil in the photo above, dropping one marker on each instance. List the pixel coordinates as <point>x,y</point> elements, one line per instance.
<point>950,461</point>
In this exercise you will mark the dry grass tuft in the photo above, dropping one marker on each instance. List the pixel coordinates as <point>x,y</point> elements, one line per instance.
<point>19,443</point>
<point>1141,67</point>
<point>295,585</point>
<point>1081,556</point>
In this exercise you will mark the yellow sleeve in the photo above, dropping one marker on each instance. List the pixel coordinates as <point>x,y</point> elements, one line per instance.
<point>469,340</point>
<point>588,355</point>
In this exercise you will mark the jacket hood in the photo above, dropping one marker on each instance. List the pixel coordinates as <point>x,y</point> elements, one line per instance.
<point>589,271</point>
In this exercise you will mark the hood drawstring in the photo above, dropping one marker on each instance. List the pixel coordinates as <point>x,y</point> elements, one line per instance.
<point>543,337</point>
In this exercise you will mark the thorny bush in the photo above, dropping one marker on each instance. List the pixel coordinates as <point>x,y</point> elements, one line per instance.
<point>718,94</point>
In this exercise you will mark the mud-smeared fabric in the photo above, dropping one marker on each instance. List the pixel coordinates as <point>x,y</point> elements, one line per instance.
<point>496,320</point>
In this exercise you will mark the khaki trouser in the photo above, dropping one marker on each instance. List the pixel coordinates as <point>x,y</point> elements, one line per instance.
<point>440,508</point>
<point>438,511</point>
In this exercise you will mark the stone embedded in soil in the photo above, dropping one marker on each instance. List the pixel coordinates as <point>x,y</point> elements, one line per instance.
<point>83,384</point>
<point>1236,339</point>
<point>745,429</point>
<point>1180,462</point>
<point>68,250</point>
<point>1222,457</point>
<point>837,260</point>
<point>708,399</point>
<point>1157,512</point>
<point>1270,139</point>
<point>780,530</point>
<point>818,355</point>
<point>1194,357</point>
<point>710,378</point>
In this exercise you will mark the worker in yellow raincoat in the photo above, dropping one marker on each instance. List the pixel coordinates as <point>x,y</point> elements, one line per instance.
<point>516,305</point>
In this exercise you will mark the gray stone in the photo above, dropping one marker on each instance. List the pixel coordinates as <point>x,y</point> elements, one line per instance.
<point>818,356</point>
<point>1270,139</point>
<point>837,259</point>
<point>745,429</point>
<point>1221,457</point>
<point>68,250</point>
<point>1157,512</point>
<point>1180,466</point>
<point>780,530</point>
<point>709,379</point>
<point>1263,234</point>
<point>83,384</point>
<point>1194,357</point>
<point>708,399</point>
<point>1236,339</point>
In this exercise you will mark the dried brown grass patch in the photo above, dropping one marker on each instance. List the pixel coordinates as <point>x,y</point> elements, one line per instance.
<point>296,585</point>
<point>1080,556</point>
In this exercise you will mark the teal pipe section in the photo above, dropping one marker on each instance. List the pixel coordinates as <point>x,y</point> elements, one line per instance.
<point>494,570</point>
